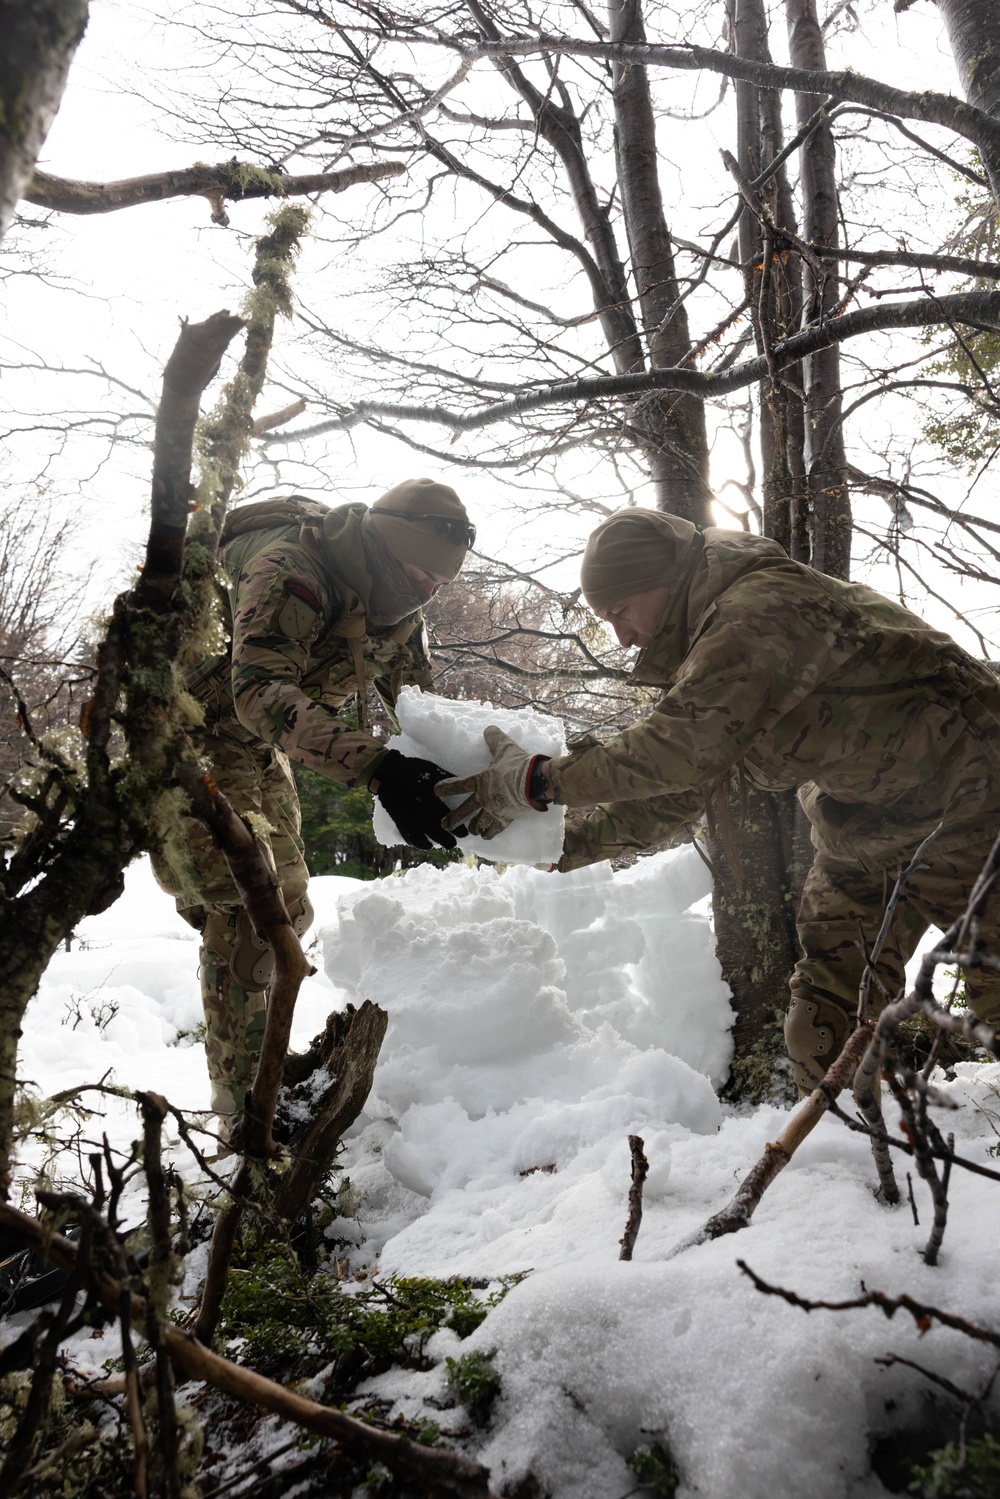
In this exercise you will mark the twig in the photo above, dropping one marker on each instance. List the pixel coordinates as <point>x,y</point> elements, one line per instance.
<point>262,1462</point>
<point>161,1267</point>
<point>640,1170</point>
<point>913,1204</point>
<point>740,1209</point>
<point>426,1468</point>
<point>867,1095</point>
<point>882,937</point>
<point>922,1313</point>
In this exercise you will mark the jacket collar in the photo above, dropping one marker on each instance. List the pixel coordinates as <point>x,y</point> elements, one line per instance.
<point>713,563</point>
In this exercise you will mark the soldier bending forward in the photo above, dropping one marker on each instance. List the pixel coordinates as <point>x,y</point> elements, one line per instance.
<point>886,727</point>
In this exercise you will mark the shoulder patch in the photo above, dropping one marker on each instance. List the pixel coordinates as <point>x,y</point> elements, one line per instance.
<point>293,586</point>
<point>301,612</point>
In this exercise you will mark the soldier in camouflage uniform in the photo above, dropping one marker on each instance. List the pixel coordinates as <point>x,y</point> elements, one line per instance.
<point>773,671</point>
<point>320,604</point>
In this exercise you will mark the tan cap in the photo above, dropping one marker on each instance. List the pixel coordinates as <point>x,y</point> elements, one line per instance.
<point>424,523</point>
<point>631,551</point>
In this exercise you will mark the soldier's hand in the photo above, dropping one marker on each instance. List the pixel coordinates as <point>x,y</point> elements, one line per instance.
<point>498,795</point>
<point>405,787</point>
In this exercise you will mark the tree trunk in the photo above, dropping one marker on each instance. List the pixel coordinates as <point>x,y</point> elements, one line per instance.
<point>826,461</point>
<point>755,920</point>
<point>672,429</point>
<point>974,34</point>
<point>39,39</point>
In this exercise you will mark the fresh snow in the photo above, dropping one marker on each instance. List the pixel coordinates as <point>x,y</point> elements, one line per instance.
<point>535,1021</point>
<point>449,731</point>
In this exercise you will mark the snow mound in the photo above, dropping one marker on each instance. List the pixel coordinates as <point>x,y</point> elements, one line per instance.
<point>449,731</point>
<point>505,1057</point>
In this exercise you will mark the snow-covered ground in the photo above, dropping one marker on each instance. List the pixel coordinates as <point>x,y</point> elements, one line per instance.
<point>535,1021</point>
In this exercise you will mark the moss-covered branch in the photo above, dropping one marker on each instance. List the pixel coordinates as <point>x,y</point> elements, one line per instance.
<point>226,181</point>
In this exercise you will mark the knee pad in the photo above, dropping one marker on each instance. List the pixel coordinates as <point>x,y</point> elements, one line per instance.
<point>230,935</point>
<point>815,1031</point>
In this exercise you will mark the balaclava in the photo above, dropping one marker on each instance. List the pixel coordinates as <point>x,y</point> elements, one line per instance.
<point>420,522</point>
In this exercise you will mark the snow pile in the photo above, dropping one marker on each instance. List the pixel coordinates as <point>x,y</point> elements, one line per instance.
<point>487,1074</point>
<point>450,732</point>
<point>535,1021</point>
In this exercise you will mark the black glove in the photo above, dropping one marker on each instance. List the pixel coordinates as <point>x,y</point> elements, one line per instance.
<point>405,787</point>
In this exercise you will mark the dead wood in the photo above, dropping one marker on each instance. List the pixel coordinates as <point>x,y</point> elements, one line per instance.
<point>353,1041</point>
<point>922,1313</point>
<point>192,365</point>
<point>433,1470</point>
<point>154,1110</point>
<point>640,1170</point>
<point>278,418</point>
<point>777,1154</point>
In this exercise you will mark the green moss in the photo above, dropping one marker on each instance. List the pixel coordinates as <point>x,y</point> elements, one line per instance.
<point>951,1473</point>
<point>243,175</point>
<point>761,1074</point>
<point>474,1381</point>
<point>656,1470</point>
<point>286,1320</point>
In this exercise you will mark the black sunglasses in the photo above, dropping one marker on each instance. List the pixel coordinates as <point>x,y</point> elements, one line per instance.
<point>461,533</point>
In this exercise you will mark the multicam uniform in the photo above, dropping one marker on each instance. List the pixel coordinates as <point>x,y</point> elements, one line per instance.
<point>885,725</point>
<point>297,603</point>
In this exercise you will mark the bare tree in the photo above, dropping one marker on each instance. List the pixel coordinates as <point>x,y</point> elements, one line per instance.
<point>46,664</point>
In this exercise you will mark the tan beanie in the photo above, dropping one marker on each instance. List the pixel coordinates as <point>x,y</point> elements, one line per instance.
<point>634,550</point>
<point>424,523</point>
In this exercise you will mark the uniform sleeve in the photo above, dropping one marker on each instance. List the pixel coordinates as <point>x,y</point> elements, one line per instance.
<point>756,660</point>
<point>658,822</point>
<point>280,605</point>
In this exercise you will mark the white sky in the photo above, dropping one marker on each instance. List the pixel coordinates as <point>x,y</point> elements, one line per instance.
<point>129,277</point>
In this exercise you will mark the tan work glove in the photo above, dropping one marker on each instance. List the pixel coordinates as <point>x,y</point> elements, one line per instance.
<point>498,795</point>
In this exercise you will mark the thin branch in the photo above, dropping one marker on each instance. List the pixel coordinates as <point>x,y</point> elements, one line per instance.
<point>969,307</point>
<point>428,1468</point>
<point>922,1313</point>
<point>640,1170</point>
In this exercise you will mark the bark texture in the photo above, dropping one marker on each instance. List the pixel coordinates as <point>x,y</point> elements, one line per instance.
<point>670,429</point>
<point>755,934</point>
<point>974,34</point>
<point>39,41</point>
<point>826,461</point>
<point>227,181</point>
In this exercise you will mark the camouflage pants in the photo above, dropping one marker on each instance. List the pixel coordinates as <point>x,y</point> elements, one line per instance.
<point>258,781</point>
<point>839,902</point>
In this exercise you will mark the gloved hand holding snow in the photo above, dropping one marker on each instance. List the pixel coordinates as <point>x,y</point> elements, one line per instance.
<point>498,795</point>
<point>449,732</point>
<point>405,787</point>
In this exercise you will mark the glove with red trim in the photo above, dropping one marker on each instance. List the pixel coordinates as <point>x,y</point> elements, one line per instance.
<point>495,797</point>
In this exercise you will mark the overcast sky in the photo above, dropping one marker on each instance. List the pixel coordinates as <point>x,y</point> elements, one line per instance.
<point>115,286</point>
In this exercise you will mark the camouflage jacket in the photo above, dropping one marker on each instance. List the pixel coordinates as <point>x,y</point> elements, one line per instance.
<point>295,626</point>
<point>885,725</point>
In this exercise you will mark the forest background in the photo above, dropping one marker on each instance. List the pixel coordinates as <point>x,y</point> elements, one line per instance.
<point>735,261</point>
<point>583,288</point>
